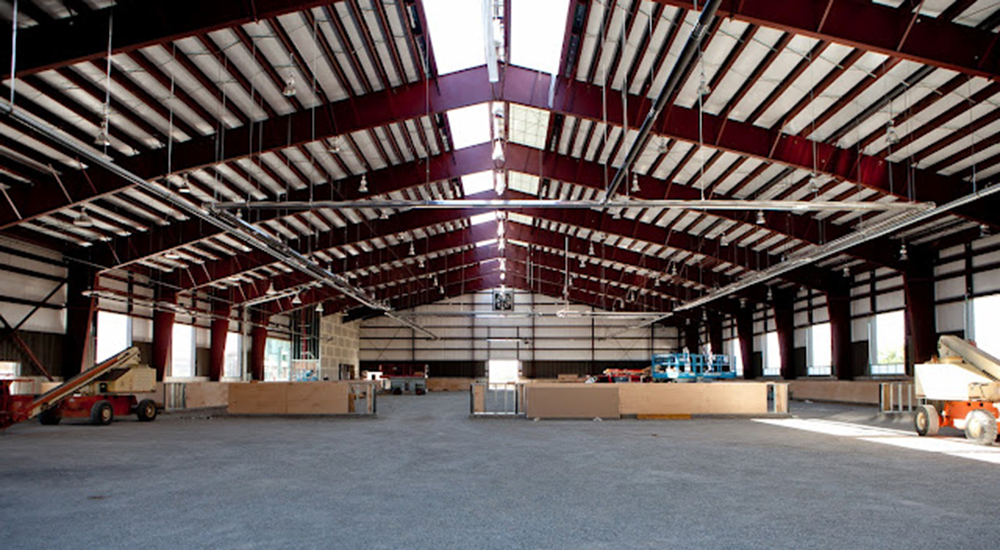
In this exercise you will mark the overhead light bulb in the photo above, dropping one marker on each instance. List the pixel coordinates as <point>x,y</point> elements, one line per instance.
<point>656,282</point>
<point>184,188</point>
<point>319,307</point>
<point>984,230</point>
<point>420,263</point>
<point>704,315</point>
<point>770,293</point>
<point>743,303</point>
<point>335,145</point>
<point>499,182</point>
<point>84,220</point>
<point>172,255</point>
<point>846,272</point>
<point>413,249</point>
<point>704,90</point>
<point>664,146</point>
<point>503,276</point>
<point>503,264</point>
<point>384,215</point>
<point>814,183</point>
<point>903,254</point>
<point>441,289</point>
<point>103,139</point>
<point>635,183</point>
<point>616,214</point>
<point>363,185</point>
<point>271,291</point>
<point>724,240</point>
<point>761,220</point>
<point>296,301</point>
<point>590,251</point>
<point>673,270</point>
<point>289,90</point>
<point>498,155</point>
<point>583,263</point>
<point>891,136</point>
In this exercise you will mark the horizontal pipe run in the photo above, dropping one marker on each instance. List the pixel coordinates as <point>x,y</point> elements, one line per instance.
<point>703,205</point>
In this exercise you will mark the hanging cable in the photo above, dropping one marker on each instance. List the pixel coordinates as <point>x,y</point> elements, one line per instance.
<point>13,53</point>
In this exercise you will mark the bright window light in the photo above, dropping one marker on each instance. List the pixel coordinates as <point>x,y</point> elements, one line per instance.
<point>469,125</point>
<point>182,352</point>
<point>890,343</point>
<point>537,31</point>
<point>477,183</point>
<point>820,350</point>
<point>114,334</point>
<point>456,28</point>
<point>772,355</point>
<point>986,317</point>
<point>482,218</point>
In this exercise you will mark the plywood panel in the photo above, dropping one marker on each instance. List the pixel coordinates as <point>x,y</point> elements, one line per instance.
<point>259,398</point>
<point>449,384</point>
<point>572,401</point>
<point>674,399</point>
<point>317,398</point>
<point>200,395</point>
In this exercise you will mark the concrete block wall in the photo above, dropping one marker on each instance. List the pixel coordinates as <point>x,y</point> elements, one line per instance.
<point>339,345</point>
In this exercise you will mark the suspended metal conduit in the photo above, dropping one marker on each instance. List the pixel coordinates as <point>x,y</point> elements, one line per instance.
<point>238,228</point>
<point>801,259</point>
<point>499,204</point>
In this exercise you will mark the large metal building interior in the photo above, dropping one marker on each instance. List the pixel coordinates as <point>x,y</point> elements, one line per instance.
<point>499,273</point>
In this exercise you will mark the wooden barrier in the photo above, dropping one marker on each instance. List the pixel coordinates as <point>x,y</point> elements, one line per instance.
<point>655,400</point>
<point>449,384</point>
<point>298,398</point>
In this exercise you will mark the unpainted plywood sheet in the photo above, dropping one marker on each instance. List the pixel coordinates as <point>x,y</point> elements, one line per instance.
<point>711,398</point>
<point>572,401</point>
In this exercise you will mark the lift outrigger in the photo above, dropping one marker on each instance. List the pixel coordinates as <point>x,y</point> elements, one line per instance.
<point>100,393</point>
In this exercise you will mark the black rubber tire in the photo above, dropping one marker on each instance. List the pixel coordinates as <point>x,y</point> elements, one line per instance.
<point>926,421</point>
<point>981,427</point>
<point>419,391</point>
<point>102,413</point>
<point>49,417</point>
<point>145,411</point>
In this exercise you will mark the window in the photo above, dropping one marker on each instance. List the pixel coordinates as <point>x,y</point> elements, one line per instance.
<point>456,29</point>
<point>888,344</point>
<point>277,360</point>
<point>114,334</point>
<point>234,350</point>
<point>182,352</point>
<point>537,32</point>
<point>985,319</point>
<point>820,350</point>
<point>733,348</point>
<point>772,355</point>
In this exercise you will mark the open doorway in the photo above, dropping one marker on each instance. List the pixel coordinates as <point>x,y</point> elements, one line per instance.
<point>502,371</point>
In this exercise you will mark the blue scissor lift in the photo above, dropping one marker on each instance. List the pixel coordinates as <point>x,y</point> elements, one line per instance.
<point>690,367</point>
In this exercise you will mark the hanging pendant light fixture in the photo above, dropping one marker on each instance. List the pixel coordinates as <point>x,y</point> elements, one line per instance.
<point>761,220</point>
<point>319,307</point>
<point>84,220</point>
<point>271,291</point>
<point>296,301</point>
<point>289,90</point>
<point>363,185</point>
<point>103,139</point>
<point>635,183</point>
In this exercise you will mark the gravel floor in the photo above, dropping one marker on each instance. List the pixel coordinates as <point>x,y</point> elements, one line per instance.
<point>425,475</point>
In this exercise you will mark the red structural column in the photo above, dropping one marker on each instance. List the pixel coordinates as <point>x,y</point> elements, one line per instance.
<point>691,340</point>
<point>163,333</point>
<point>918,287</point>
<point>220,330</point>
<point>258,337</point>
<point>715,334</point>
<point>838,305</point>
<point>77,341</point>
<point>784,321</point>
<point>744,330</point>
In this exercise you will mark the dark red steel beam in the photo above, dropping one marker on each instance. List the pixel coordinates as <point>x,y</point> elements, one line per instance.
<point>137,25</point>
<point>375,109</point>
<point>872,27</point>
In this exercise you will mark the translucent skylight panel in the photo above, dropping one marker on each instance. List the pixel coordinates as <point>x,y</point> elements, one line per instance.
<point>524,183</point>
<point>528,126</point>
<point>469,125</point>
<point>537,31</point>
<point>456,28</point>
<point>477,183</point>
<point>482,218</point>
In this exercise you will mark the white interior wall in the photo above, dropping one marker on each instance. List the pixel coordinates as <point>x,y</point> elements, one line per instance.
<point>28,287</point>
<point>546,338</point>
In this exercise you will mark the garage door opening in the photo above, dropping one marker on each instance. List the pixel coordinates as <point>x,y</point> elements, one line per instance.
<point>502,371</point>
